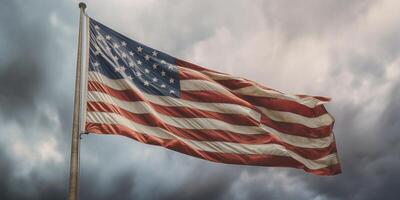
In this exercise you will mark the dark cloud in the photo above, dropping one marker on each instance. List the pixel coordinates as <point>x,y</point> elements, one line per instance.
<point>21,76</point>
<point>357,43</point>
<point>35,186</point>
<point>198,186</point>
<point>6,169</point>
<point>19,97</point>
<point>120,185</point>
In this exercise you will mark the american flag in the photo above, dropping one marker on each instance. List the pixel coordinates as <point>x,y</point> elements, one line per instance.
<point>142,93</point>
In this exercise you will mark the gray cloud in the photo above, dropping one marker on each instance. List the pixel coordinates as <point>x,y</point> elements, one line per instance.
<point>345,49</point>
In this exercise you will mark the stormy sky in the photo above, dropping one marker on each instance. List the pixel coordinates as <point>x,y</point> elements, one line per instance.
<point>345,49</point>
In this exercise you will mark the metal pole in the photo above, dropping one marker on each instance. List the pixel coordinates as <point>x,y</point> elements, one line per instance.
<point>74,163</point>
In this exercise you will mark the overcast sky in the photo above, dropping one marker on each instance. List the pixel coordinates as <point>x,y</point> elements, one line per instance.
<point>345,49</point>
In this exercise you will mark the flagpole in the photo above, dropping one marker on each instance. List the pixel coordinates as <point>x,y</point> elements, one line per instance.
<point>74,162</point>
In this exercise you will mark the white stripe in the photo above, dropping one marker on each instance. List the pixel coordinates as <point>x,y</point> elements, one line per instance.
<point>219,76</point>
<point>220,147</point>
<point>142,107</point>
<point>186,123</point>
<point>121,84</point>
<point>300,141</point>
<point>201,85</point>
<point>311,122</point>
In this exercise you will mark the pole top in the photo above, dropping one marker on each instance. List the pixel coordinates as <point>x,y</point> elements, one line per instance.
<point>82,5</point>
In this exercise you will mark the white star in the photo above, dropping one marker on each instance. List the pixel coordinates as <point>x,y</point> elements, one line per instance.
<point>131,64</point>
<point>108,37</point>
<point>96,64</point>
<point>146,71</point>
<point>155,66</point>
<point>155,79</point>
<point>146,83</point>
<point>139,49</point>
<point>171,80</point>
<point>116,45</point>
<point>171,67</point>
<point>120,69</point>
<point>138,74</point>
<point>131,53</point>
<point>162,73</point>
<point>155,53</point>
<point>129,77</point>
<point>147,57</point>
<point>97,52</point>
<point>139,62</point>
<point>163,62</point>
<point>172,91</point>
<point>115,57</point>
<point>123,43</point>
<point>163,85</point>
<point>97,27</point>
<point>100,37</point>
<point>123,55</point>
<point>108,48</point>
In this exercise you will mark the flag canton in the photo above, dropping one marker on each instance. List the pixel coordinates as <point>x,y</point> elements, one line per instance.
<point>119,57</point>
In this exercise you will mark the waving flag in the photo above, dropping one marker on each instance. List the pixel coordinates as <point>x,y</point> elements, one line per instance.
<point>154,98</point>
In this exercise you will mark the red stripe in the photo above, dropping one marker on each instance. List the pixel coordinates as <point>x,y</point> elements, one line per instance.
<point>285,105</point>
<point>213,97</point>
<point>287,128</point>
<point>120,94</point>
<point>234,84</point>
<point>189,65</point>
<point>229,158</point>
<point>298,129</point>
<point>210,134</point>
<point>187,74</point>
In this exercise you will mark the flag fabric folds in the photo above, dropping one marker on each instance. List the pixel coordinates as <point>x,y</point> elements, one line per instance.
<point>142,93</point>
